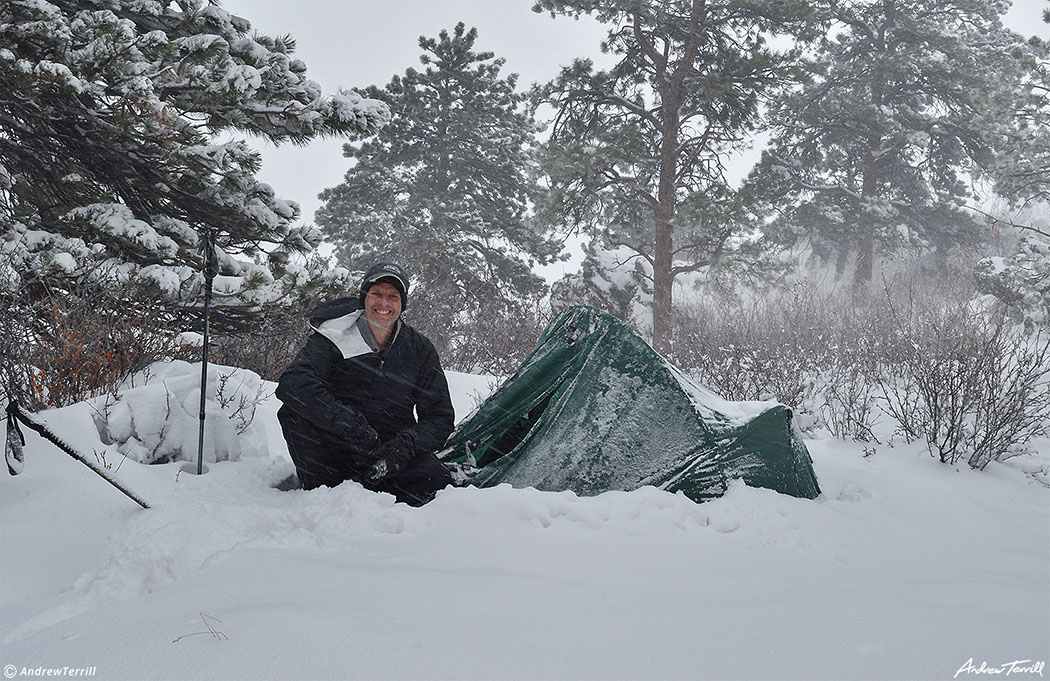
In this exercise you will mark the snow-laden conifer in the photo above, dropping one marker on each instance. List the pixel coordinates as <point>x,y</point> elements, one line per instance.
<point>121,126</point>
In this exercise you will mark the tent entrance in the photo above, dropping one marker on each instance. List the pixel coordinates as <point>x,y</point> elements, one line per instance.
<point>513,436</point>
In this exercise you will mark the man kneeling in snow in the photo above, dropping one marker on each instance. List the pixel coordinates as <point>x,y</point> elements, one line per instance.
<point>349,396</point>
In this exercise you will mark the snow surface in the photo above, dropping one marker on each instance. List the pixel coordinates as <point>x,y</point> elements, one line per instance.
<point>903,569</point>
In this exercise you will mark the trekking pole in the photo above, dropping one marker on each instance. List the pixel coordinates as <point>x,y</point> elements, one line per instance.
<point>15,441</point>
<point>211,269</point>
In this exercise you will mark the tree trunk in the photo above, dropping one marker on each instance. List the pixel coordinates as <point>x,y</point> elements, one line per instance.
<point>663,276</point>
<point>671,96</point>
<point>866,235</point>
<point>869,181</point>
<point>841,260</point>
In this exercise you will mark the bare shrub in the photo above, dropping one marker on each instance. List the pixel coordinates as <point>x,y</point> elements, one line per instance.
<point>815,351</point>
<point>493,344</point>
<point>1014,405</point>
<point>848,401</point>
<point>967,386</point>
<point>848,398</point>
<point>848,395</point>
<point>770,348</point>
<point>15,342</point>
<point>63,349</point>
<point>265,346</point>
<point>239,406</point>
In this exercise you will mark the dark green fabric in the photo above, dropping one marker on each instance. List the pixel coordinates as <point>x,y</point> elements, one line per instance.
<point>594,408</point>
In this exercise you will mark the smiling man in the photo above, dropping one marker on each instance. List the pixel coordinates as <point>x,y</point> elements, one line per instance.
<point>366,398</point>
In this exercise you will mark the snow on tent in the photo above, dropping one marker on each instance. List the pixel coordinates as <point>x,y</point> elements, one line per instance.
<point>594,408</point>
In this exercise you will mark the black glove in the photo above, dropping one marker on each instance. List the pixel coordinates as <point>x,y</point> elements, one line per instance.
<point>361,436</point>
<point>391,457</point>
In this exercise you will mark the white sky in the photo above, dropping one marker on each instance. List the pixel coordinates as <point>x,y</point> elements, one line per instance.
<point>357,43</point>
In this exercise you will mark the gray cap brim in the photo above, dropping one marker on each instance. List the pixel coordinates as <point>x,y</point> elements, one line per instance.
<point>395,281</point>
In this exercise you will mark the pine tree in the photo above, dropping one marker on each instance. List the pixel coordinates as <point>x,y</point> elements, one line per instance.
<point>636,154</point>
<point>117,148</point>
<point>1022,169</point>
<point>911,104</point>
<point>445,189</point>
<point>1019,283</point>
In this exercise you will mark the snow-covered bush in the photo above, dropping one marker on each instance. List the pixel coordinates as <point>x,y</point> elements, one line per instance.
<point>967,386</point>
<point>609,280</point>
<point>847,394</point>
<point>1020,283</point>
<point>159,421</point>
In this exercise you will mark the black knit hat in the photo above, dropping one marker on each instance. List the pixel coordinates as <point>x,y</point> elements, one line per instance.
<point>390,273</point>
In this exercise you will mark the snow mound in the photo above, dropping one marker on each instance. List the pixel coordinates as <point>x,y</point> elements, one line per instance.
<point>157,418</point>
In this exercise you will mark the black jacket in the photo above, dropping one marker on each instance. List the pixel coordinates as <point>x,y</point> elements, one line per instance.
<point>340,379</point>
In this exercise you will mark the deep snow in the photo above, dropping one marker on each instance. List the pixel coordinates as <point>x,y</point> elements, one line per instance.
<point>904,568</point>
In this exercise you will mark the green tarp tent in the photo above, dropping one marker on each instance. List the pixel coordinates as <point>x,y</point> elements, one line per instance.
<point>594,408</point>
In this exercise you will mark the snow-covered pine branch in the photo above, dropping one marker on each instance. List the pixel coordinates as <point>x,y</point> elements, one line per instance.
<point>110,125</point>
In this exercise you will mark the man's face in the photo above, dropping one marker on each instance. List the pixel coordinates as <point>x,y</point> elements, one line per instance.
<point>382,305</point>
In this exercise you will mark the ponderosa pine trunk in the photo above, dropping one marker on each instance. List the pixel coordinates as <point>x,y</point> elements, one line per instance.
<point>671,97</point>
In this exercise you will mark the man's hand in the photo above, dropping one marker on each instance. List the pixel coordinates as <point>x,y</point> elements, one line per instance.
<point>379,470</point>
<point>391,457</point>
<point>360,435</point>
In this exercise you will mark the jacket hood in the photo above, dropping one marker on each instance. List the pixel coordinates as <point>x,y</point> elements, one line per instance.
<point>333,309</point>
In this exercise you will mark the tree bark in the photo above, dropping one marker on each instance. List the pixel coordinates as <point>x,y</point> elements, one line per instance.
<point>869,182</point>
<point>663,279</point>
<point>865,236</point>
<point>671,96</point>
